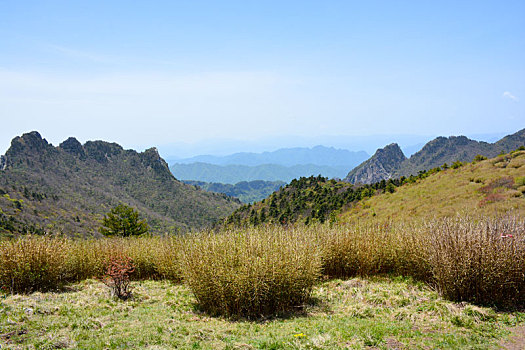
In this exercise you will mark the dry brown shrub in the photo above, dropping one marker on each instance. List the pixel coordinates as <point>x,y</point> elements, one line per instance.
<point>479,260</point>
<point>251,273</point>
<point>32,263</point>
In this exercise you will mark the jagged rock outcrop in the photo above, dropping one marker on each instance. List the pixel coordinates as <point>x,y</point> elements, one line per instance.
<point>3,162</point>
<point>70,187</point>
<point>153,160</point>
<point>74,147</point>
<point>28,149</point>
<point>382,165</point>
<point>102,151</point>
<point>385,164</point>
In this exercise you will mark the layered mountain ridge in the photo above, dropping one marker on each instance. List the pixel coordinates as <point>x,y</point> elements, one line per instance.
<point>390,162</point>
<point>70,187</point>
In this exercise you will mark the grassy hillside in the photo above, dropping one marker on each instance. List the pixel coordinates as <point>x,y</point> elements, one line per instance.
<point>487,186</point>
<point>69,188</point>
<point>492,186</point>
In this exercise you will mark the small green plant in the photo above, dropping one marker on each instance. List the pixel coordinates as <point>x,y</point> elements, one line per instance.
<point>479,158</point>
<point>520,181</point>
<point>123,221</point>
<point>456,164</point>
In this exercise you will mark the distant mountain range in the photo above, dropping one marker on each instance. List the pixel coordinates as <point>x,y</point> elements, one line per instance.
<point>318,155</point>
<point>281,165</point>
<point>247,192</point>
<point>390,162</point>
<point>69,188</point>
<point>232,174</point>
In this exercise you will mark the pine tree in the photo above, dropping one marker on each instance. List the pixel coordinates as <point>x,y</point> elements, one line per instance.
<point>123,221</point>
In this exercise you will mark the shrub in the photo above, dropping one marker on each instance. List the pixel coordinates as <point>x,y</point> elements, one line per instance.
<point>479,158</point>
<point>480,261</point>
<point>456,164</point>
<point>370,249</point>
<point>116,276</point>
<point>520,181</point>
<point>32,263</point>
<point>167,255</point>
<point>251,273</point>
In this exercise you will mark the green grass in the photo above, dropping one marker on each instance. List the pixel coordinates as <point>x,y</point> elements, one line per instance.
<point>448,192</point>
<point>356,313</point>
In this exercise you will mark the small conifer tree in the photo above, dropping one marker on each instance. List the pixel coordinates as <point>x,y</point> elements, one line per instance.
<point>123,221</point>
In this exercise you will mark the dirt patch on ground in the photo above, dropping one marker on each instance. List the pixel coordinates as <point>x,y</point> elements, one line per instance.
<point>516,340</point>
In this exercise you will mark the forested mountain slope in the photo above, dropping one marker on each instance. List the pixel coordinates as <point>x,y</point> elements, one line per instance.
<point>70,187</point>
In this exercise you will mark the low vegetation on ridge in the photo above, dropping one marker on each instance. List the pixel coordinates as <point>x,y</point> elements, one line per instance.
<point>483,186</point>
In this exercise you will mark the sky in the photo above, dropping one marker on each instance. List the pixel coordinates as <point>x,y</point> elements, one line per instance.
<point>195,77</point>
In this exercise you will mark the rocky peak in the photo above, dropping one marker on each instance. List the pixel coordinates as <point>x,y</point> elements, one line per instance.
<point>152,158</point>
<point>74,147</point>
<point>30,148</point>
<point>391,153</point>
<point>30,142</point>
<point>382,165</point>
<point>102,151</point>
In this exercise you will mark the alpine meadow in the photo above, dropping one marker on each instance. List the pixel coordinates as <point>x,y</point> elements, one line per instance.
<point>262,175</point>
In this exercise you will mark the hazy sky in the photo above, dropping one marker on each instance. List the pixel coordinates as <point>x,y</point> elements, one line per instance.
<point>153,73</point>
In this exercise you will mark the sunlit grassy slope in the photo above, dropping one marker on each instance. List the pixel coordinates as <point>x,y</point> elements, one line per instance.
<point>492,186</point>
<point>354,314</point>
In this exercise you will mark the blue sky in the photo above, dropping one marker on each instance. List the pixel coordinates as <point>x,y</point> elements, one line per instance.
<point>238,73</point>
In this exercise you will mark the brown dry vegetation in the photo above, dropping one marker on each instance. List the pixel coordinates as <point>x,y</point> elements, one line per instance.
<point>270,270</point>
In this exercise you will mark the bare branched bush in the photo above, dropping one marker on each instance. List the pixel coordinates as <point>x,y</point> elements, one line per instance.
<point>271,270</point>
<point>371,249</point>
<point>117,276</point>
<point>31,263</point>
<point>481,261</point>
<point>251,273</point>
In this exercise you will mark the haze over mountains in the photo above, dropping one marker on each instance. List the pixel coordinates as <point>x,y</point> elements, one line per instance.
<point>319,155</point>
<point>281,165</point>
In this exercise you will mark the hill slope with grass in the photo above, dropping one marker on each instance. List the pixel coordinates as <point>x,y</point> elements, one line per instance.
<point>386,163</point>
<point>492,186</point>
<point>488,186</point>
<point>69,188</point>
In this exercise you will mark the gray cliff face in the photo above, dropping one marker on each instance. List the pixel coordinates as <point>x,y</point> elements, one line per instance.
<point>389,162</point>
<point>3,162</point>
<point>382,165</point>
